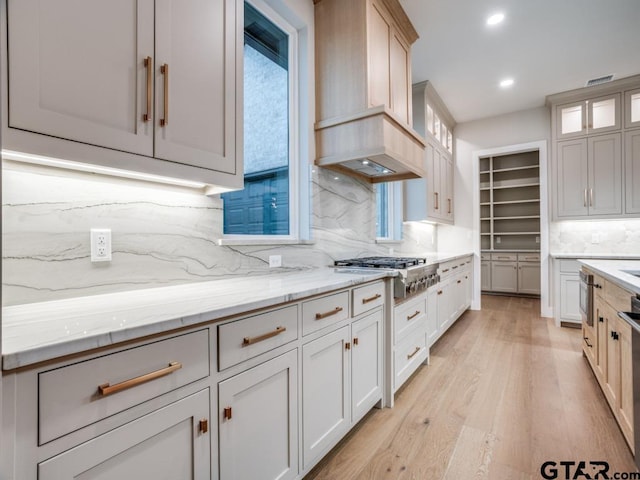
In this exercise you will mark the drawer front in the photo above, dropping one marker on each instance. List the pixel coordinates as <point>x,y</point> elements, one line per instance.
<point>445,269</point>
<point>408,315</point>
<point>617,297</point>
<point>485,256</point>
<point>70,397</point>
<point>569,266</point>
<point>505,257</point>
<point>367,298</point>
<point>528,257</point>
<point>249,337</point>
<point>409,354</point>
<point>324,311</point>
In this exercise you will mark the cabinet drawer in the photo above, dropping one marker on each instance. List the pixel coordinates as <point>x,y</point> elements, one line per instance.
<point>409,354</point>
<point>569,266</point>
<point>408,315</point>
<point>74,396</point>
<point>324,311</point>
<point>367,298</point>
<point>485,256</point>
<point>249,337</point>
<point>528,257</point>
<point>507,257</point>
<point>617,297</point>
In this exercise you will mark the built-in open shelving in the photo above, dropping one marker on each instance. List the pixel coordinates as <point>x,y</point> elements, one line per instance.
<point>510,202</point>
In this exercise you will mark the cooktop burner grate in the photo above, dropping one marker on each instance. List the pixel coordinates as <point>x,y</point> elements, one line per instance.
<point>381,262</point>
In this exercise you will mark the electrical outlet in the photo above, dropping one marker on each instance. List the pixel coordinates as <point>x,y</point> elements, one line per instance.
<point>100,245</point>
<point>275,261</point>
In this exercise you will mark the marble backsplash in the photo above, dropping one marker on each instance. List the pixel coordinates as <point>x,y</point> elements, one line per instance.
<point>595,236</point>
<point>163,235</point>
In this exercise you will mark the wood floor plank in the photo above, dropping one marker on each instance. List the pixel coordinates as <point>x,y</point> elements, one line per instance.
<point>505,391</point>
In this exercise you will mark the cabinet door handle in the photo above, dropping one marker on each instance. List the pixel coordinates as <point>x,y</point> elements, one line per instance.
<point>437,203</point>
<point>459,281</point>
<point>371,299</point>
<point>614,335</point>
<point>227,413</point>
<point>449,209</point>
<point>165,73</point>
<point>591,197</point>
<point>586,340</point>
<point>585,197</point>
<point>411,355</point>
<point>355,341</point>
<point>203,425</point>
<point>106,389</point>
<point>413,315</point>
<point>439,292</point>
<point>148,63</point>
<point>251,340</point>
<point>347,346</point>
<point>320,316</point>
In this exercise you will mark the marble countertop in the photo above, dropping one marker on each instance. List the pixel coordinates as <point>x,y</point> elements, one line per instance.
<point>616,271</point>
<point>610,256</point>
<point>37,332</point>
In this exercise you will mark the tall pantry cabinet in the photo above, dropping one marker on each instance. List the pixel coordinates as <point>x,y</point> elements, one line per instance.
<point>596,151</point>
<point>150,85</point>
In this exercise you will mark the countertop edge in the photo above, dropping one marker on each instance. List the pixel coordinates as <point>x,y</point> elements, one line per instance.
<point>613,274</point>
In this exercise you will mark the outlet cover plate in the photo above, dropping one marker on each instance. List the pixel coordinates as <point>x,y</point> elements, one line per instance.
<point>100,245</point>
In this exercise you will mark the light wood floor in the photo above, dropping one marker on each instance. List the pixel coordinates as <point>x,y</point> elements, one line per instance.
<point>506,390</point>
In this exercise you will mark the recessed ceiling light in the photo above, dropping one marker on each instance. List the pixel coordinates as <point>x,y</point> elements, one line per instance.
<point>495,19</point>
<point>507,82</point>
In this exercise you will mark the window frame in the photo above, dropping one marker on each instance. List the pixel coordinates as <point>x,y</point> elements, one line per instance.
<point>394,209</point>
<point>297,178</point>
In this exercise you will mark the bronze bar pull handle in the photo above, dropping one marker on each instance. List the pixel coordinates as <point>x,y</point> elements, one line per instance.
<point>251,340</point>
<point>148,63</point>
<point>413,315</point>
<point>203,425</point>
<point>591,197</point>
<point>371,299</point>
<point>411,355</point>
<point>585,197</point>
<point>320,316</point>
<point>459,281</point>
<point>437,206</point>
<point>227,413</point>
<point>439,292</point>
<point>355,341</point>
<point>164,69</point>
<point>347,346</point>
<point>106,389</point>
<point>449,209</point>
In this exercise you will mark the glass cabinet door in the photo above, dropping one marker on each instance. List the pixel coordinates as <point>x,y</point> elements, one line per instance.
<point>571,120</point>
<point>604,114</point>
<point>632,108</point>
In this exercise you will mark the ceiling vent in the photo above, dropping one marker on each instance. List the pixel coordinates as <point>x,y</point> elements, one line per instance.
<point>599,80</point>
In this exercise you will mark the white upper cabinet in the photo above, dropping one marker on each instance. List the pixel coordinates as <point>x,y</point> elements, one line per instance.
<point>157,83</point>
<point>592,116</point>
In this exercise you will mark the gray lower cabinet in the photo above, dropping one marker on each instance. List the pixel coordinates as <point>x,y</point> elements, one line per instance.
<point>504,276</point>
<point>166,444</point>
<point>529,278</point>
<point>485,275</point>
<point>258,426</point>
<point>325,393</point>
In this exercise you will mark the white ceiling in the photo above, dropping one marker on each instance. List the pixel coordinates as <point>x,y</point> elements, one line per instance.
<point>546,46</point>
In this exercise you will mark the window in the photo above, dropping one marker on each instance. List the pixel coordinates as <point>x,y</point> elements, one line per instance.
<point>265,207</point>
<point>389,212</point>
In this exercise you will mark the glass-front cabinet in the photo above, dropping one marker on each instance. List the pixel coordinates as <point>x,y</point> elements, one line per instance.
<point>587,117</point>
<point>632,108</point>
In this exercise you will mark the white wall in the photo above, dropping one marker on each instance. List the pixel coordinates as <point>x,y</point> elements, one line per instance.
<point>517,128</point>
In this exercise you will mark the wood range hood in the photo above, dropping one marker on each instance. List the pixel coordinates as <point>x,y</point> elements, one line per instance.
<point>363,90</point>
